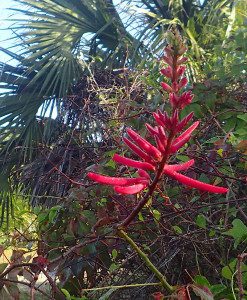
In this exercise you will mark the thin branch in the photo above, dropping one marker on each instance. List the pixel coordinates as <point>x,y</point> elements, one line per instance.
<point>29,285</point>
<point>241,257</point>
<point>146,260</point>
<point>122,286</point>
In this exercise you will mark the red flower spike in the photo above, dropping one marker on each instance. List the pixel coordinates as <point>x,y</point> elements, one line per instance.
<point>130,190</point>
<point>195,183</point>
<point>172,125</point>
<point>184,137</point>
<point>143,144</point>
<point>138,151</point>
<point>133,163</point>
<point>122,181</point>
<point>166,87</point>
<point>179,167</point>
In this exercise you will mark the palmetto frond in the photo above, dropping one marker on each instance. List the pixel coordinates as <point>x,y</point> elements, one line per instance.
<point>60,37</point>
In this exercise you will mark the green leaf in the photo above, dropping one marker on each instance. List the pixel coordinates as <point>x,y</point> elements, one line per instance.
<point>204,178</point>
<point>3,267</point>
<point>90,216</point>
<point>67,294</point>
<point>111,164</point>
<point>242,117</point>
<point>217,288</point>
<point>210,101</point>
<point>212,140</point>
<point>156,214</point>
<point>52,215</point>
<point>229,270</point>
<point>83,228</point>
<point>114,254</point>
<point>238,232</point>
<point>68,237</point>
<point>14,291</point>
<point>140,217</point>
<point>212,233</point>
<point>177,229</point>
<point>113,267</point>
<point>183,158</point>
<point>201,221</point>
<point>201,280</point>
<point>42,217</point>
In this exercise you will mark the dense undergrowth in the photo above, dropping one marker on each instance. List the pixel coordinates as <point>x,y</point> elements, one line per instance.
<point>196,239</point>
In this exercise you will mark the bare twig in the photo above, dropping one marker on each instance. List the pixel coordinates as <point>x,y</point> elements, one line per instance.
<point>241,257</point>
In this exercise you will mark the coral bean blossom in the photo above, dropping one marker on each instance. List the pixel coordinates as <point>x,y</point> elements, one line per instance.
<point>168,134</point>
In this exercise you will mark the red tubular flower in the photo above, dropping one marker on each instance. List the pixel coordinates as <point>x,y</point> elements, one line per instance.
<point>138,151</point>
<point>122,181</point>
<point>144,174</point>
<point>167,72</point>
<point>165,119</point>
<point>133,163</point>
<point>183,82</point>
<point>195,183</point>
<point>143,144</point>
<point>129,190</point>
<point>183,138</point>
<point>173,99</point>
<point>179,167</point>
<point>158,119</point>
<point>185,99</point>
<point>151,130</point>
<point>182,60</point>
<point>122,185</point>
<point>181,71</point>
<point>168,60</point>
<point>162,135</point>
<point>161,146</point>
<point>166,87</point>
<point>184,122</point>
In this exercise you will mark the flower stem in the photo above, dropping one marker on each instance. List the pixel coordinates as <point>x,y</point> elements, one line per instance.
<point>145,258</point>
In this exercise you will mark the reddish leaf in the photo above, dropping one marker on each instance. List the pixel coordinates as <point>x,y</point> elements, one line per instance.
<point>203,292</point>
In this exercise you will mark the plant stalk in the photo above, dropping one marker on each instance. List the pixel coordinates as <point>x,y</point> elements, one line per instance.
<point>148,263</point>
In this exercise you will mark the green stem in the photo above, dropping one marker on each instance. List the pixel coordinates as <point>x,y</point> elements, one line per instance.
<point>148,263</point>
<point>122,286</point>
